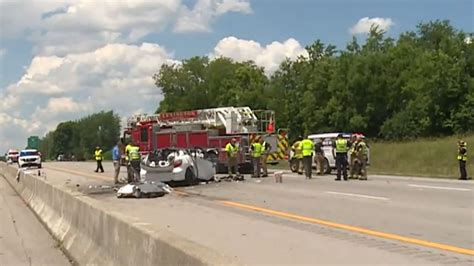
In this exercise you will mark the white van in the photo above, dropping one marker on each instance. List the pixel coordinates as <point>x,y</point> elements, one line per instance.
<point>327,142</point>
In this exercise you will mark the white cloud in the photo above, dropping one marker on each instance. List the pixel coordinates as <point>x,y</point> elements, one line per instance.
<point>364,24</point>
<point>114,77</point>
<point>206,11</point>
<point>12,127</point>
<point>20,17</point>
<point>2,52</point>
<point>62,105</point>
<point>95,23</point>
<point>8,102</point>
<point>269,56</point>
<point>61,27</point>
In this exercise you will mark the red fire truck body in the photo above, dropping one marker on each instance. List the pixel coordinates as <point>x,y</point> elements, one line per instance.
<point>210,130</point>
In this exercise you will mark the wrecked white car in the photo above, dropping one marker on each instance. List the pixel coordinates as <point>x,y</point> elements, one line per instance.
<point>178,165</point>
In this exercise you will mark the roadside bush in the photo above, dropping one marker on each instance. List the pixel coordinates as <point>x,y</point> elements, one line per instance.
<point>108,155</point>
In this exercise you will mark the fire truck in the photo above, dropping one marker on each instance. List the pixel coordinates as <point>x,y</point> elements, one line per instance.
<point>210,130</point>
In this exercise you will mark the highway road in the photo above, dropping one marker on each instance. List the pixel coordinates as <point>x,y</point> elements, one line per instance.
<point>23,239</point>
<point>385,220</point>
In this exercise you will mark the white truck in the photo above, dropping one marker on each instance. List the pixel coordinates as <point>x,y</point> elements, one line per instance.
<point>327,140</point>
<point>12,156</point>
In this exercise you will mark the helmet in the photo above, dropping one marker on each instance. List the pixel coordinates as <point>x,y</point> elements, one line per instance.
<point>339,135</point>
<point>97,147</point>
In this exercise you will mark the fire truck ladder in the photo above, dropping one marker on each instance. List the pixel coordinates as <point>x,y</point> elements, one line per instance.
<point>133,120</point>
<point>236,120</point>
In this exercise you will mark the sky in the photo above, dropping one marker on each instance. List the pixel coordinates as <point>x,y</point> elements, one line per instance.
<point>64,59</point>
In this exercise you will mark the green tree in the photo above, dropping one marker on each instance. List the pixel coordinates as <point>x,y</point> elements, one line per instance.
<point>419,84</point>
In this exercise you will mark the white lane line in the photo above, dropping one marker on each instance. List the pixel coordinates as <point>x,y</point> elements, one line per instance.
<point>357,195</point>
<point>443,188</point>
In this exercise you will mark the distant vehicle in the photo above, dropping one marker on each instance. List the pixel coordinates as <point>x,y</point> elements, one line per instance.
<point>327,141</point>
<point>28,158</point>
<point>12,156</point>
<point>63,157</point>
<point>175,165</point>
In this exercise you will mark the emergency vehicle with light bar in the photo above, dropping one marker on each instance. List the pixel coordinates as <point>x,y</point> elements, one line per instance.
<point>209,129</point>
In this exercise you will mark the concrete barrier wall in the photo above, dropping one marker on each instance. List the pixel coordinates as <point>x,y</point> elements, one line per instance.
<point>94,236</point>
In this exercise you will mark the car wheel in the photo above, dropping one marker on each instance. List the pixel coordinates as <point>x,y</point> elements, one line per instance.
<point>293,166</point>
<point>40,166</point>
<point>327,168</point>
<point>189,176</point>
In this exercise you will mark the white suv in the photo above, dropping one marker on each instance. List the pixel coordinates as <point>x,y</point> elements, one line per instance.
<point>327,142</point>
<point>29,158</point>
<point>327,147</point>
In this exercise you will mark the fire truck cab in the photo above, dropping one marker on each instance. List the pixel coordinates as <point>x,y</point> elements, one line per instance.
<point>211,130</point>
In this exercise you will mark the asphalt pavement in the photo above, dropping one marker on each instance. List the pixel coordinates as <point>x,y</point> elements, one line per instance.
<point>23,239</point>
<point>385,220</point>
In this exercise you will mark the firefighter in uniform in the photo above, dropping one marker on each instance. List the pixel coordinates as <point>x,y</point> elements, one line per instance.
<point>98,158</point>
<point>353,160</point>
<point>232,150</point>
<point>307,148</point>
<point>462,158</point>
<point>266,147</point>
<point>127,162</point>
<point>133,168</point>
<point>256,152</point>
<point>298,155</point>
<point>340,148</point>
<point>361,151</point>
<point>318,148</point>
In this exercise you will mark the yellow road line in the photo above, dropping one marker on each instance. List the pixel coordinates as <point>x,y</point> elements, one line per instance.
<point>351,228</point>
<point>404,239</point>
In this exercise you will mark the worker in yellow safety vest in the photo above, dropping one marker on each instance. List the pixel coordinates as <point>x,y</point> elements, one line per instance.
<point>307,149</point>
<point>361,153</point>
<point>462,158</point>
<point>232,150</point>
<point>256,153</point>
<point>98,158</point>
<point>132,151</point>
<point>354,168</point>
<point>297,156</point>
<point>340,148</point>
<point>266,147</point>
<point>126,152</point>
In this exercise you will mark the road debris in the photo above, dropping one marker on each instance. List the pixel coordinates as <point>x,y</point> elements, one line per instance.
<point>278,177</point>
<point>144,190</point>
<point>229,178</point>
